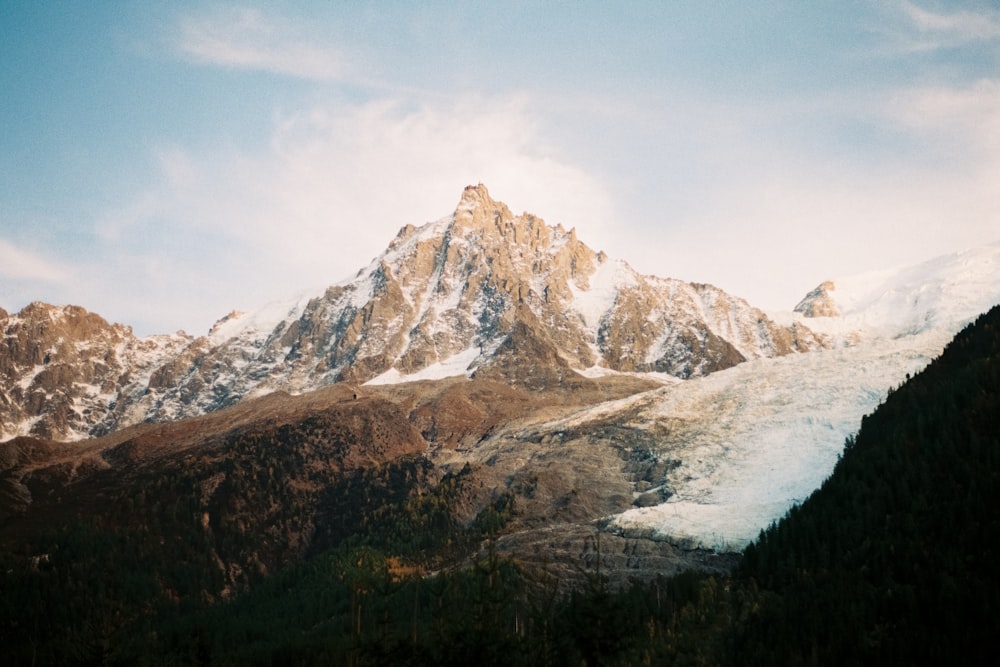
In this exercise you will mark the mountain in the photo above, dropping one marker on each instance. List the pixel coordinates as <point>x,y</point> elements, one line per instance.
<point>459,295</point>
<point>504,299</point>
<point>488,387</point>
<point>700,418</point>
<point>696,414</point>
<point>62,369</point>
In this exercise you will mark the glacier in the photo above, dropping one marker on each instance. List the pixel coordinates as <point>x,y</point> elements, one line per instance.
<point>758,438</point>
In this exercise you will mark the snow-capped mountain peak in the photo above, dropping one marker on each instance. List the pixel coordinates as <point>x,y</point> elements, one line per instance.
<point>444,298</point>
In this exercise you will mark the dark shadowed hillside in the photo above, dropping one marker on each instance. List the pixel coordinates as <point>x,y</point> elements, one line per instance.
<point>894,559</point>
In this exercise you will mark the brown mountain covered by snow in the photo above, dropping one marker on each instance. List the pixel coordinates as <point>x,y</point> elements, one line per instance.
<point>472,293</point>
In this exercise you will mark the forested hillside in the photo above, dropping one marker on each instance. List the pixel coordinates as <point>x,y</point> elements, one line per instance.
<point>894,558</point>
<point>892,561</point>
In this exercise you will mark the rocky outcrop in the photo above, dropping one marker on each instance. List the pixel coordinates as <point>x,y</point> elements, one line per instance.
<point>528,357</point>
<point>819,302</point>
<point>62,369</point>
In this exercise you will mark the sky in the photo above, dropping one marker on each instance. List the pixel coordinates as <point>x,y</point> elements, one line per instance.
<point>163,164</point>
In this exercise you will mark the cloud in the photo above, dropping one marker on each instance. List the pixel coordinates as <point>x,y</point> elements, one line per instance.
<point>394,162</point>
<point>911,177</point>
<point>755,197</point>
<point>328,191</point>
<point>969,114</point>
<point>20,264</point>
<point>113,224</point>
<point>248,39</point>
<point>333,184</point>
<point>959,128</point>
<point>949,29</point>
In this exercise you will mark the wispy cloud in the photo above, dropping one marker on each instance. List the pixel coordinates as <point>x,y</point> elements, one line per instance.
<point>250,39</point>
<point>958,125</point>
<point>331,188</point>
<point>936,30</point>
<point>788,213</point>
<point>17,263</point>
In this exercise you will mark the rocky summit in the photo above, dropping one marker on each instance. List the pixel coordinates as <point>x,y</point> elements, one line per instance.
<point>63,369</point>
<point>472,293</point>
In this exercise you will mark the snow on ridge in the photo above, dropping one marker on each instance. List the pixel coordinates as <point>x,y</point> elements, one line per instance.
<point>425,232</point>
<point>605,283</point>
<point>360,285</point>
<point>947,291</point>
<point>261,322</point>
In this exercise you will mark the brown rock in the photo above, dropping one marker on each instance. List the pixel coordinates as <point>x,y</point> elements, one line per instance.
<point>819,302</point>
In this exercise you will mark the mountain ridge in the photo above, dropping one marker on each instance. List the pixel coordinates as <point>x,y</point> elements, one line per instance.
<point>454,288</point>
<point>944,291</point>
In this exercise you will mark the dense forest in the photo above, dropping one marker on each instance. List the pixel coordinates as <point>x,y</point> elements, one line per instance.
<point>892,561</point>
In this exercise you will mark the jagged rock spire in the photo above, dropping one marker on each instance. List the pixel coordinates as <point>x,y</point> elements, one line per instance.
<point>457,291</point>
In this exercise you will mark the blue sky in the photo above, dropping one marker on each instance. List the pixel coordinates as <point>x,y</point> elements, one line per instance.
<point>164,163</point>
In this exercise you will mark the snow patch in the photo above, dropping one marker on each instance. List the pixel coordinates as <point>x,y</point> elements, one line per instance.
<point>262,321</point>
<point>455,365</point>
<point>605,283</point>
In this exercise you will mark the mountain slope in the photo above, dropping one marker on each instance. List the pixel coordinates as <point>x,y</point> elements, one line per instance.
<point>61,368</point>
<point>254,474</point>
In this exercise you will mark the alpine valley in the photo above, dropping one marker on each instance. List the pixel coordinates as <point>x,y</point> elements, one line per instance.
<point>488,387</point>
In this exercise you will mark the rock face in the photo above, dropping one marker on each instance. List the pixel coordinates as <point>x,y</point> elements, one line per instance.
<point>62,368</point>
<point>479,289</point>
<point>819,302</point>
